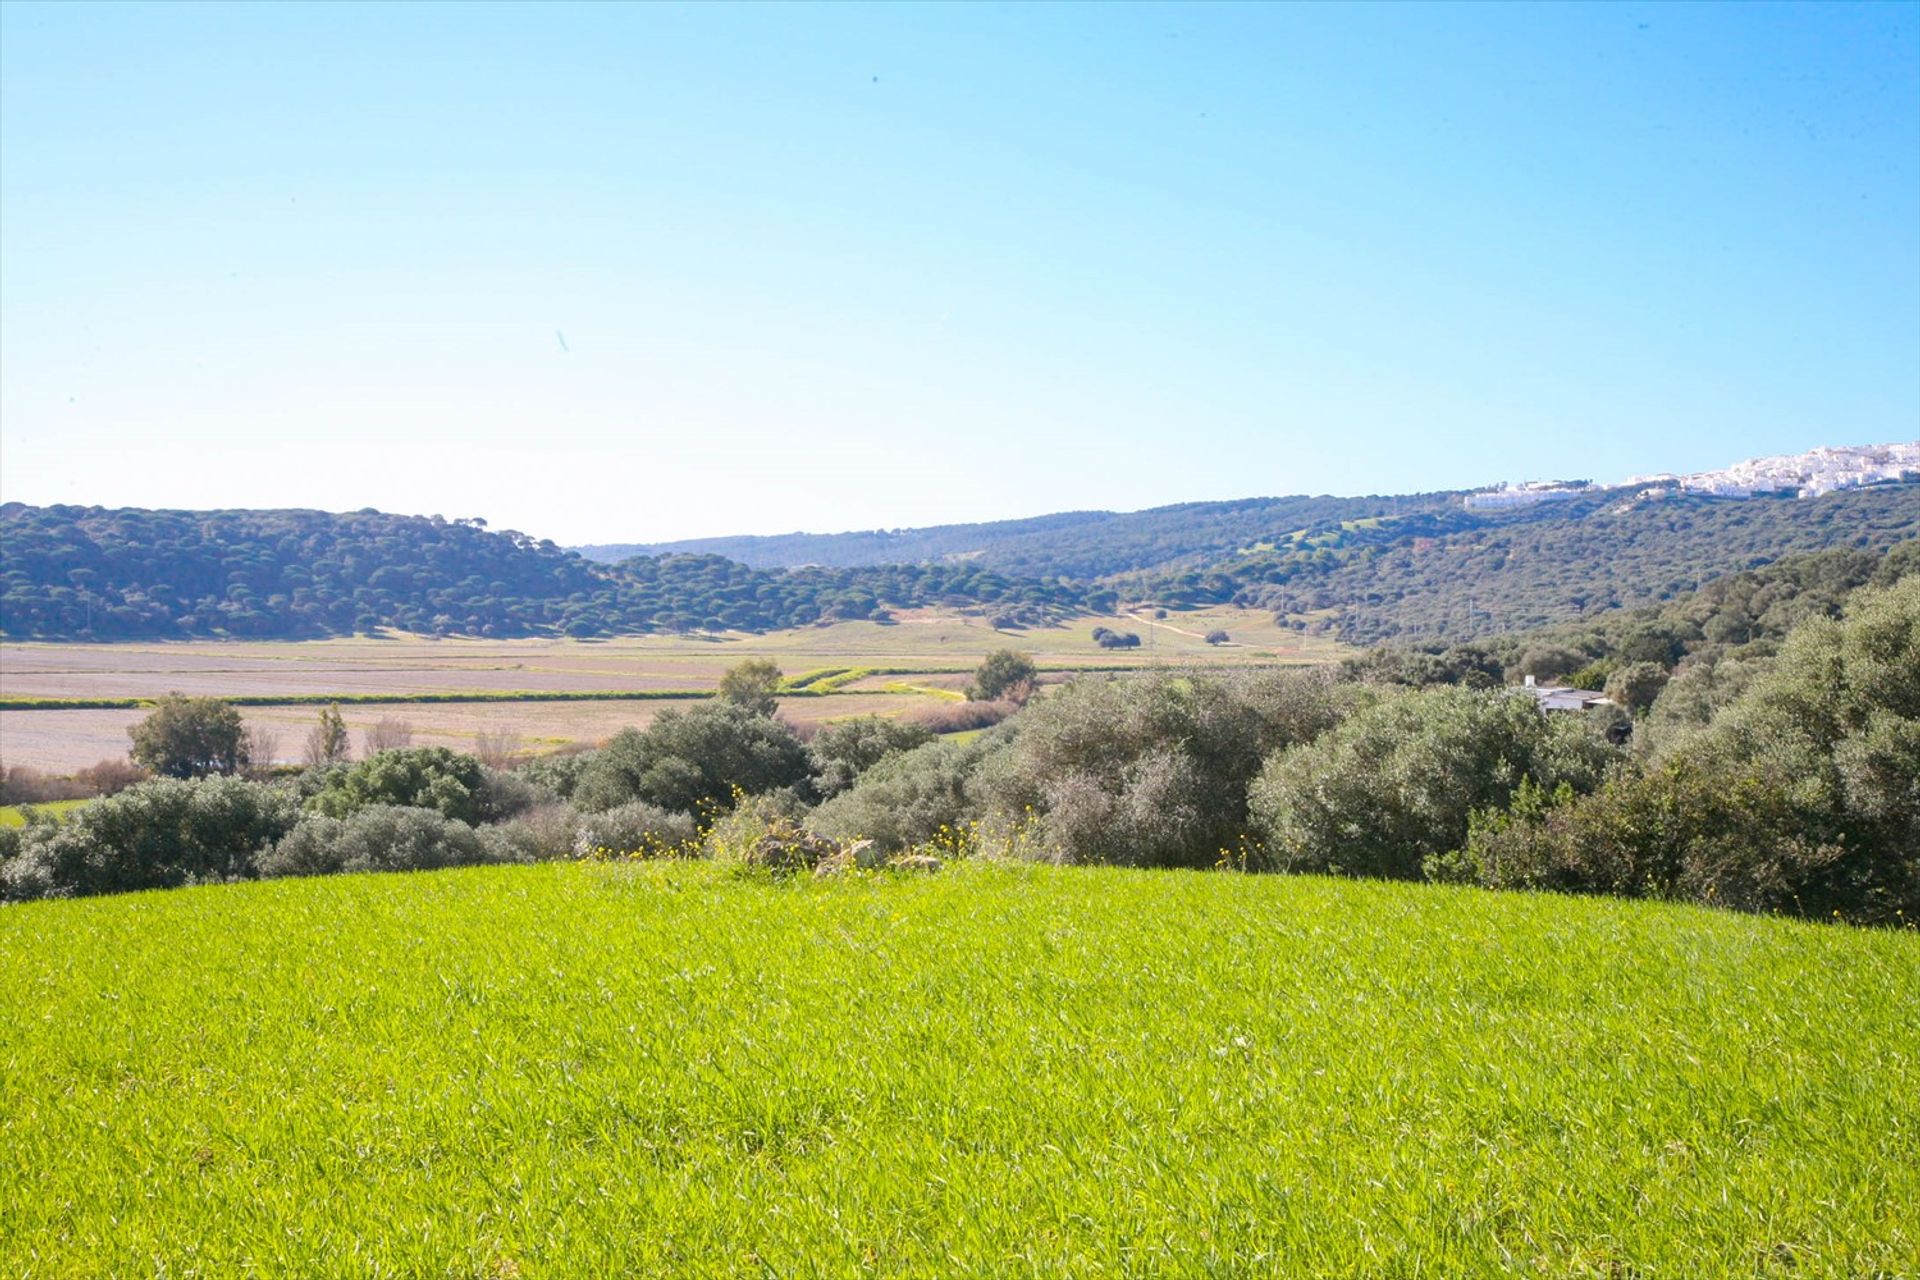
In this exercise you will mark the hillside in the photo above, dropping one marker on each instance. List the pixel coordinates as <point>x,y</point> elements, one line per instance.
<point>1077,544</point>
<point>111,574</point>
<point>670,1069</point>
<point>1425,567</point>
<point>1471,575</point>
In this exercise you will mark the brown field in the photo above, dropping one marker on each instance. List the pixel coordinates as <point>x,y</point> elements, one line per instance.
<point>924,643</point>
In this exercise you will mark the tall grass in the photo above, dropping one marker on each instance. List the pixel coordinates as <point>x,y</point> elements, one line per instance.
<point>674,1069</point>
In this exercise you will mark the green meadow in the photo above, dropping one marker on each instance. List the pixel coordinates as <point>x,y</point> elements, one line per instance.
<point>15,815</point>
<point>676,1069</point>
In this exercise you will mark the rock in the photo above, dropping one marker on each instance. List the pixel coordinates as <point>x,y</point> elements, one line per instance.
<point>861,855</point>
<point>916,862</point>
<point>790,850</point>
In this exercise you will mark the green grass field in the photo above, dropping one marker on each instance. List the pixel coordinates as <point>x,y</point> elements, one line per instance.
<point>15,815</point>
<point>668,1069</point>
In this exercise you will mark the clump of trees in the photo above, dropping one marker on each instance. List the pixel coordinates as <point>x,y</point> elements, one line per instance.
<point>448,782</point>
<point>1396,784</point>
<point>1108,638</point>
<point>1801,794</point>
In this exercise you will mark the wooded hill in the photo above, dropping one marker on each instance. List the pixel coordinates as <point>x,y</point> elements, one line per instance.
<point>98,573</point>
<point>1421,568</point>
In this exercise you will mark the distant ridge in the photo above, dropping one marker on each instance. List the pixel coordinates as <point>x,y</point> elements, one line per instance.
<point>1009,544</point>
<point>1069,543</point>
<point>1430,568</point>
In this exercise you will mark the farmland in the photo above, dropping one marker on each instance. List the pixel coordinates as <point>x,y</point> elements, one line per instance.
<point>938,648</point>
<point>671,1068</point>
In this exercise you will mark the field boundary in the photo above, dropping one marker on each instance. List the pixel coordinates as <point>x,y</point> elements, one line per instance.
<point>818,683</point>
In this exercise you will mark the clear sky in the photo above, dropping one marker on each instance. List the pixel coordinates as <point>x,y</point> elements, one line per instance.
<point>609,273</point>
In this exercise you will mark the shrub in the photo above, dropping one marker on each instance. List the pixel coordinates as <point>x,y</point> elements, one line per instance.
<point>906,799</point>
<point>380,837</point>
<point>558,772</point>
<point>1700,688</point>
<point>498,748</point>
<point>505,793</point>
<point>961,717</point>
<point>389,733</point>
<point>1677,832</point>
<point>1801,796</point>
<point>1397,783</point>
<point>540,834</point>
<point>190,738</point>
<point>690,761</point>
<point>451,784</point>
<point>635,828</point>
<point>1466,665</point>
<point>1635,685</point>
<point>844,750</point>
<point>1217,636</point>
<point>23,784</point>
<point>154,835</point>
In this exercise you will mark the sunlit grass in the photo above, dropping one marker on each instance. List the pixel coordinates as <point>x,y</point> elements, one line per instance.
<point>671,1069</point>
<point>15,815</point>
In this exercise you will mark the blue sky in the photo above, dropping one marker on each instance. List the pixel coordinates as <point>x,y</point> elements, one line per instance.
<point>611,273</point>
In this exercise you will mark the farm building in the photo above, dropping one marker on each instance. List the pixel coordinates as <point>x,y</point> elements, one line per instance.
<point>1560,697</point>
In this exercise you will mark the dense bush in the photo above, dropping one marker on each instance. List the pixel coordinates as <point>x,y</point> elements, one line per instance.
<point>633,828</point>
<point>507,792</point>
<point>155,835</point>
<point>378,837</point>
<point>540,834</point>
<point>844,750</point>
<point>558,772</point>
<point>1469,666</point>
<point>908,798</point>
<point>24,784</point>
<point>1636,685</point>
<point>961,717</point>
<point>1397,783</point>
<point>693,761</point>
<point>1701,686</point>
<point>1152,770</point>
<point>449,783</point>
